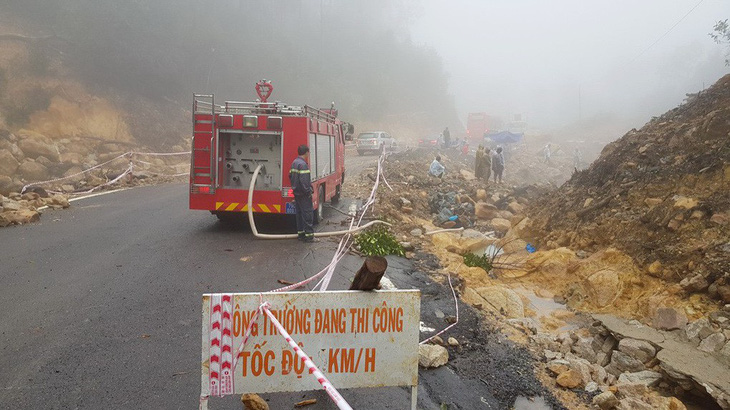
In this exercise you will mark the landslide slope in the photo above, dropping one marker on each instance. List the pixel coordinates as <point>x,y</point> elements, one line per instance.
<point>660,194</point>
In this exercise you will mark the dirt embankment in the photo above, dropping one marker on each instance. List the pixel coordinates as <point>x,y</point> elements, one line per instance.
<point>660,194</point>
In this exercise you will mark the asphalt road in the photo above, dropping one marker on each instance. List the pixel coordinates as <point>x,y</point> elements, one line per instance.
<point>101,305</point>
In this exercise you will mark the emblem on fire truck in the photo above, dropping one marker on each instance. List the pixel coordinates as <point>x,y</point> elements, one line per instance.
<point>264,89</point>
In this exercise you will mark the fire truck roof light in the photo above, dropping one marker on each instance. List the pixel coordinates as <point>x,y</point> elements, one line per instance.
<point>250,121</point>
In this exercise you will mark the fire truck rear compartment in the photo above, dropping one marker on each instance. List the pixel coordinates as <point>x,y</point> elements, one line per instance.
<point>241,153</point>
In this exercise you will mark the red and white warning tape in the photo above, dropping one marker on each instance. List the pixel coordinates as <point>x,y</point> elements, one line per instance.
<point>313,370</point>
<point>131,157</point>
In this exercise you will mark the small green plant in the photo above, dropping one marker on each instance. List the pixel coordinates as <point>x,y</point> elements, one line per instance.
<point>378,241</point>
<point>480,261</point>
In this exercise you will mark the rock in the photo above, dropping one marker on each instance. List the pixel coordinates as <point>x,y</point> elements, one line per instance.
<point>8,163</point>
<point>33,171</point>
<point>485,211</point>
<point>481,195</point>
<point>432,355</point>
<point>606,400</point>
<point>67,188</point>
<point>582,366</point>
<point>558,366</point>
<point>448,224</point>
<point>698,330</point>
<point>437,340</point>
<point>712,343</point>
<point>669,319</point>
<point>472,240</point>
<point>467,175</point>
<point>584,349</point>
<point>694,283</point>
<point>725,351</point>
<point>452,341</point>
<point>652,202</point>
<point>655,269</point>
<point>591,387</point>
<point>638,349</point>
<point>588,202</point>
<point>254,402</point>
<point>720,218</point>
<point>603,286</point>
<point>6,185</point>
<point>60,201</point>
<point>515,208</point>
<point>22,216</point>
<point>497,300</point>
<point>646,377</point>
<point>501,225</point>
<point>550,355</point>
<point>569,379</point>
<point>405,202</point>
<point>407,210</point>
<point>36,146</point>
<point>505,215</point>
<point>407,246</point>
<point>631,403</point>
<point>621,362</point>
<point>684,202</point>
<point>11,205</point>
<point>631,389</point>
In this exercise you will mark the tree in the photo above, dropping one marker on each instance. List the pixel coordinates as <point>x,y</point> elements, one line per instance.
<point>721,35</point>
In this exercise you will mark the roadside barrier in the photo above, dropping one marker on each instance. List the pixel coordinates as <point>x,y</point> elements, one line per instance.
<point>130,156</point>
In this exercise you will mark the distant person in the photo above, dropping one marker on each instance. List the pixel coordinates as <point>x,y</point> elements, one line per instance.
<point>498,165</point>
<point>487,163</point>
<point>447,137</point>
<point>478,163</point>
<point>301,183</point>
<point>465,147</point>
<point>437,170</point>
<point>546,153</point>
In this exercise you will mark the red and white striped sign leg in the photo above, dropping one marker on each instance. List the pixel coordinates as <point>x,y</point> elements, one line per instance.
<point>226,345</point>
<point>214,367</point>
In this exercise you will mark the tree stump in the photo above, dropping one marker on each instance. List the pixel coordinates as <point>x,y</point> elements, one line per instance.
<point>369,275</point>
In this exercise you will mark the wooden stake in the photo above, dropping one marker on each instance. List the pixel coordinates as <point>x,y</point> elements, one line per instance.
<point>369,274</point>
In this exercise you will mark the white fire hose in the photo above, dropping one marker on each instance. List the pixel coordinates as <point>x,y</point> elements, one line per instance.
<point>293,235</point>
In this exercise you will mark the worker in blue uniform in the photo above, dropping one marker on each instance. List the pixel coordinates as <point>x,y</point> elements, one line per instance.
<point>301,183</point>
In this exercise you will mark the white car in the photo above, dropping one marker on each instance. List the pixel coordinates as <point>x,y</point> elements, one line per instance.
<point>375,142</point>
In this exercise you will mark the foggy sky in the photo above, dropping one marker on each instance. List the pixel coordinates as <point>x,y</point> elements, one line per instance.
<point>531,56</point>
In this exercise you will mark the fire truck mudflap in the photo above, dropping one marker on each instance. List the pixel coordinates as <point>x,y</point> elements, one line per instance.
<point>231,140</point>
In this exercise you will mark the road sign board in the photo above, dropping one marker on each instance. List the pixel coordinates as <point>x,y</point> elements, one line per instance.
<point>357,339</point>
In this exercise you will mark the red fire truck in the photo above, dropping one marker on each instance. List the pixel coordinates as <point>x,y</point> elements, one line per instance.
<point>231,140</point>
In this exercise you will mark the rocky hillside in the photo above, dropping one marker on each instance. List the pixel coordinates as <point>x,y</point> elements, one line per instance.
<point>660,194</point>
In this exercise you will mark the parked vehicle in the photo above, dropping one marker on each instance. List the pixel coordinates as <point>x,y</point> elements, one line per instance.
<point>429,142</point>
<point>231,140</point>
<point>374,142</point>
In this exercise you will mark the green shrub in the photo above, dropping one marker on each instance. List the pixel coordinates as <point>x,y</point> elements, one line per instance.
<point>479,261</point>
<point>378,241</point>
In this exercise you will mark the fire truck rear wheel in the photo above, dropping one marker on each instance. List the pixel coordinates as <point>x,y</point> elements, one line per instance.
<point>319,212</point>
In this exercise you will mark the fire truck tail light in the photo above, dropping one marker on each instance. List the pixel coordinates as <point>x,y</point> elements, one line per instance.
<point>250,121</point>
<point>274,123</point>
<point>225,121</point>
<point>287,193</point>
<point>204,189</point>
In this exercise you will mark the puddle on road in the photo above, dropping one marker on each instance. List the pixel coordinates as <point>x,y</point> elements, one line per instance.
<point>531,403</point>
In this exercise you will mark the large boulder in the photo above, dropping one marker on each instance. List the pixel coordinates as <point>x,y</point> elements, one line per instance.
<point>432,355</point>
<point>8,163</point>
<point>501,225</point>
<point>35,145</point>
<point>603,287</point>
<point>638,349</point>
<point>253,401</point>
<point>6,185</point>
<point>621,362</point>
<point>712,343</point>
<point>33,171</point>
<point>646,377</point>
<point>497,300</point>
<point>485,211</point>
<point>669,319</point>
<point>570,379</point>
<point>22,216</point>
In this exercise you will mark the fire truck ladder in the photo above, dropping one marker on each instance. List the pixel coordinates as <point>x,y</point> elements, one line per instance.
<point>204,166</point>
